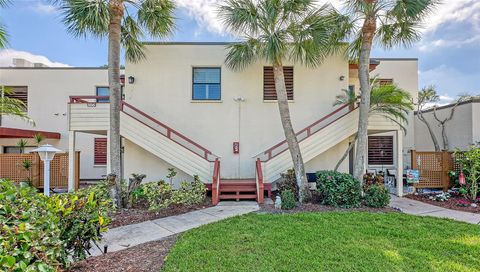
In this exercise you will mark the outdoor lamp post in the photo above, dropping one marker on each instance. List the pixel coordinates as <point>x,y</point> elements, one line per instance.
<point>46,153</point>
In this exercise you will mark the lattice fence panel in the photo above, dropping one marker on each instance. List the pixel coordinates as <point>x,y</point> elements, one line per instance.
<point>433,168</point>
<point>11,168</point>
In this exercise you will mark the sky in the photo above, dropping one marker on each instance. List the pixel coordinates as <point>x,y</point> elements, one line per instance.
<point>448,53</point>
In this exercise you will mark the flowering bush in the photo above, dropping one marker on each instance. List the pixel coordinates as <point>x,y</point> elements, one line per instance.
<point>338,189</point>
<point>377,196</point>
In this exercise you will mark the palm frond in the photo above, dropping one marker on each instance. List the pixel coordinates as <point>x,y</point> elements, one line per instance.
<point>242,17</point>
<point>14,107</point>
<point>348,97</point>
<point>84,17</point>
<point>130,33</point>
<point>242,54</point>
<point>157,17</point>
<point>3,36</point>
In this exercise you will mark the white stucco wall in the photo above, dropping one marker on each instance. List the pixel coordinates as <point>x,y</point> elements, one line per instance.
<point>462,131</point>
<point>163,89</point>
<point>48,94</point>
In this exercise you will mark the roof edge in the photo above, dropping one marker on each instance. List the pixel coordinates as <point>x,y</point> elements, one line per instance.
<point>473,100</point>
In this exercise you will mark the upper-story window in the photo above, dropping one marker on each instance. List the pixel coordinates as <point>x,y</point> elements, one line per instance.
<point>103,91</point>
<point>269,92</point>
<point>384,81</point>
<point>206,83</point>
<point>17,92</point>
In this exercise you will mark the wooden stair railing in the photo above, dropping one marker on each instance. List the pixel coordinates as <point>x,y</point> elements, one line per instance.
<point>259,180</point>
<point>306,132</point>
<point>216,182</point>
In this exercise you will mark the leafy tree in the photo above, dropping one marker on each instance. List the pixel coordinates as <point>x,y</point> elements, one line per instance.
<point>275,31</point>
<point>427,96</point>
<point>124,22</point>
<point>389,101</point>
<point>388,23</point>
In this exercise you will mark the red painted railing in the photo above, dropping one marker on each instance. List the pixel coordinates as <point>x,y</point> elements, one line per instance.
<point>306,132</point>
<point>152,123</point>
<point>216,182</point>
<point>85,99</point>
<point>260,181</point>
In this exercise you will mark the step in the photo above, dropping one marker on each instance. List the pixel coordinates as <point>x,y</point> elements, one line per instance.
<point>237,197</point>
<point>238,181</point>
<point>237,188</point>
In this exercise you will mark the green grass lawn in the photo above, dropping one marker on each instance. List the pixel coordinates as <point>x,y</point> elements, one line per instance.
<point>333,241</point>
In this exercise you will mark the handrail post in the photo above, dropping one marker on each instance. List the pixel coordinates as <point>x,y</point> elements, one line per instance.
<point>259,181</point>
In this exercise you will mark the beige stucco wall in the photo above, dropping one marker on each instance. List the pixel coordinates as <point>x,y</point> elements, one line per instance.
<point>462,131</point>
<point>48,93</point>
<point>163,86</point>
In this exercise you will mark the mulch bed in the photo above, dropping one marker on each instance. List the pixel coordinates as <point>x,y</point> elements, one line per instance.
<point>140,213</point>
<point>141,258</point>
<point>451,203</point>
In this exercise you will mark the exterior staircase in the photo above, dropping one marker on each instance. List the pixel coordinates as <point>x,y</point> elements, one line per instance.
<point>236,189</point>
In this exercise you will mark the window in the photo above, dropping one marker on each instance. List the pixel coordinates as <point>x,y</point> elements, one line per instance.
<point>380,150</point>
<point>269,92</point>
<point>17,150</point>
<point>17,92</point>
<point>100,151</point>
<point>103,91</point>
<point>206,83</point>
<point>383,81</point>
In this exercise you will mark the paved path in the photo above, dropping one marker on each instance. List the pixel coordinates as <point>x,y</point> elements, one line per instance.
<point>135,234</point>
<point>414,207</point>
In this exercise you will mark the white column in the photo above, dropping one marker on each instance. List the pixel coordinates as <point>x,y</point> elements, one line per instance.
<point>399,163</point>
<point>71,161</point>
<point>108,153</point>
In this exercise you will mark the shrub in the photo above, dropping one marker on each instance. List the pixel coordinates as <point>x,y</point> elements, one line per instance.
<point>189,193</point>
<point>288,200</point>
<point>377,196</point>
<point>29,231</point>
<point>470,162</point>
<point>338,189</point>
<point>39,233</point>
<point>160,195</point>
<point>288,182</point>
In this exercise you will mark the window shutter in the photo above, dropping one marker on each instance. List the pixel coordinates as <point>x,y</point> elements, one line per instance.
<point>100,151</point>
<point>380,150</point>
<point>383,81</point>
<point>20,93</point>
<point>269,92</point>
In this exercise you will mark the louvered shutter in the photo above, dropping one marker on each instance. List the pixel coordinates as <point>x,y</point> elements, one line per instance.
<point>100,151</point>
<point>380,150</point>
<point>269,92</point>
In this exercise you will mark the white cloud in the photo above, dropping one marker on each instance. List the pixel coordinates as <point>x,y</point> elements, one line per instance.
<point>450,81</point>
<point>455,11</point>
<point>44,8</point>
<point>7,56</point>
<point>205,13</point>
<point>428,45</point>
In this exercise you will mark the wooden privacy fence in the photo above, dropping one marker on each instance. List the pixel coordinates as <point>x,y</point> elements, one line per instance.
<point>433,168</point>
<point>12,167</point>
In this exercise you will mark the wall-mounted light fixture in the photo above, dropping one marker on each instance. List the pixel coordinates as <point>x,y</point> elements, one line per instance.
<point>131,80</point>
<point>341,78</point>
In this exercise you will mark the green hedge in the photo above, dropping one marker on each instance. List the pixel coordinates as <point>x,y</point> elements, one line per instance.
<point>338,189</point>
<point>39,233</point>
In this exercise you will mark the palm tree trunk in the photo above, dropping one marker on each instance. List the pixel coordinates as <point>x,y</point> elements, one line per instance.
<point>368,33</point>
<point>430,131</point>
<point>114,31</point>
<point>282,99</point>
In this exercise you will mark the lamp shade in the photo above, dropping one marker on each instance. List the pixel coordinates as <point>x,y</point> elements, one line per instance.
<point>46,152</point>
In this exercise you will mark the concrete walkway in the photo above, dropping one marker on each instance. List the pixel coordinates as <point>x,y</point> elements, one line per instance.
<point>135,234</point>
<point>414,207</point>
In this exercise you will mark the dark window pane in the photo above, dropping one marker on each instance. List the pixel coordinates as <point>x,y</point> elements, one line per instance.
<point>103,91</point>
<point>206,84</point>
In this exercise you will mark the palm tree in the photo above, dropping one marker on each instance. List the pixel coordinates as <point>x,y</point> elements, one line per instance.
<point>388,23</point>
<point>274,31</point>
<point>386,100</point>
<point>11,106</point>
<point>3,30</point>
<point>124,22</point>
